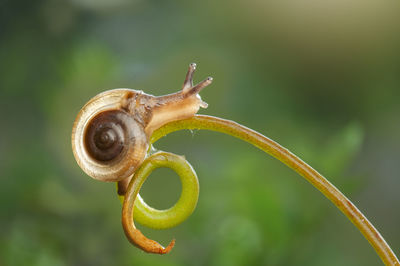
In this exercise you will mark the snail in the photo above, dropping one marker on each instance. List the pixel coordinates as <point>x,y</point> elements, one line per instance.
<point>112,138</point>
<point>111,133</point>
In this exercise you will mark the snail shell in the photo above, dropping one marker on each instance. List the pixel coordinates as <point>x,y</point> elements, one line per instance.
<point>108,143</point>
<point>110,136</point>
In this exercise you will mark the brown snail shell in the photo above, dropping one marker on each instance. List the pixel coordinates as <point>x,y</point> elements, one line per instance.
<point>110,136</point>
<point>127,144</point>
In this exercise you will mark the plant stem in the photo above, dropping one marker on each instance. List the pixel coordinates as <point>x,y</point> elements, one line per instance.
<point>274,149</point>
<point>182,209</point>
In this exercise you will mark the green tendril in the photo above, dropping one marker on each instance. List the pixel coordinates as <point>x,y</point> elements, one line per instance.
<point>183,208</point>
<point>187,202</point>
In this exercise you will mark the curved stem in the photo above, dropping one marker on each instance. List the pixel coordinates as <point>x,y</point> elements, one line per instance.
<point>291,160</point>
<point>153,218</point>
<point>186,204</point>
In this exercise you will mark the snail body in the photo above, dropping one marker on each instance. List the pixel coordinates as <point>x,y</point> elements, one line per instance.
<point>110,136</point>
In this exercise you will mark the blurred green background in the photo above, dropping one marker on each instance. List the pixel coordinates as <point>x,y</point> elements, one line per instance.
<point>320,77</point>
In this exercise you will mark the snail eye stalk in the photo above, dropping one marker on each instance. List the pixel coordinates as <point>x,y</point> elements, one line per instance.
<point>111,139</point>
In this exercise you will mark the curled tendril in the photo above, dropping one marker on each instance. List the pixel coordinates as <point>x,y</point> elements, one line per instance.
<point>157,219</point>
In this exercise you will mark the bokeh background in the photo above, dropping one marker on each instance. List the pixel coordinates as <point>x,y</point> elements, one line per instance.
<point>320,77</point>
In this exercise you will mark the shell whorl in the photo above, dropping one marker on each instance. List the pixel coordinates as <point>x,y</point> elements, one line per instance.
<point>108,142</point>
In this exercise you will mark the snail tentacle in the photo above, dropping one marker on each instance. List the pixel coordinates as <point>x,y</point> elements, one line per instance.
<point>188,83</point>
